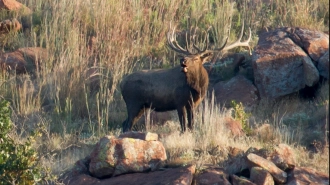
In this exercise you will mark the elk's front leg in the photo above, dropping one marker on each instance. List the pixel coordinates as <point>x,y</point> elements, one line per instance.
<point>182,118</point>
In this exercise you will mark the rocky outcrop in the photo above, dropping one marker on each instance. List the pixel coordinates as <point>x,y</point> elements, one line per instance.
<point>265,166</point>
<point>284,60</point>
<point>114,156</point>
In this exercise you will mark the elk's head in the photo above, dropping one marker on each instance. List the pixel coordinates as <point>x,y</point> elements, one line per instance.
<point>194,60</point>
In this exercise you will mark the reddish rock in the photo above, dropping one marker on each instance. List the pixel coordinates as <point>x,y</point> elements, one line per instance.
<point>278,175</point>
<point>23,60</point>
<point>140,135</point>
<point>182,176</point>
<point>236,165</point>
<point>234,126</point>
<point>323,65</point>
<point>265,132</point>
<point>281,66</point>
<point>240,181</point>
<point>9,25</point>
<point>283,157</point>
<point>261,177</point>
<point>302,175</point>
<point>13,5</point>
<point>114,156</point>
<point>239,89</point>
<point>315,43</point>
<point>212,176</point>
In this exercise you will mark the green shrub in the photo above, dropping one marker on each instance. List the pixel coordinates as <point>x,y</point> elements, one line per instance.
<point>240,115</point>
<point>19,163</point>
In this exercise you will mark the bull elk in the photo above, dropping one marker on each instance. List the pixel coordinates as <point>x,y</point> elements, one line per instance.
<point>180,88</point>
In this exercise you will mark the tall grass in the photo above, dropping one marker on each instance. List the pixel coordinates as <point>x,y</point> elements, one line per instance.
<point>92,44</point>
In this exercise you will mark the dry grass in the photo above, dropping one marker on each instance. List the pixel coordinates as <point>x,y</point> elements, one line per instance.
<point>114,38</point>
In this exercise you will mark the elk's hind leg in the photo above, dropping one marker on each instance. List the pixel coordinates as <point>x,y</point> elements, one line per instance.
<point>134,115</point>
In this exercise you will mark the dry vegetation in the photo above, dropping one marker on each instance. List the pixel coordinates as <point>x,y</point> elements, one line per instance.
<point>113,38</point>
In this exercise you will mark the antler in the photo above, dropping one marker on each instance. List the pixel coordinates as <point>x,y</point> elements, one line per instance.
<point>238,42</point>
<point>173,43</point>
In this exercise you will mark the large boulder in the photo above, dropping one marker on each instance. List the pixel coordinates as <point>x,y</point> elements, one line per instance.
<point>323,65</point>
<point>283,61</point>
<point>23,60</point>
<point>238,89</point>
<point>114,156</point>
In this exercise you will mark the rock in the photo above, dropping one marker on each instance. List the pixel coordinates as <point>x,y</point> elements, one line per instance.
<point>278,175</point>
<point>283,157</point>
<point>114,156</point>
<point>303,175</point>
<point>9,25</point>
<point>240,181</point>
<point>212,176</point>
<point>140,135</point>
<point>236,165</point>
<point>23,60</point>
<point>13,5</point>
<point>239,89</point>
<point>261,176</point>
<point>315,43</point>
<point>281,66</point>
<point>234,126</point>
<point>323,65</point>
<point>181,175</point>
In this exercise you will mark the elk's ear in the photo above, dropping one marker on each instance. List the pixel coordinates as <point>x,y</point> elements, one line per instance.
<point>206,56</point>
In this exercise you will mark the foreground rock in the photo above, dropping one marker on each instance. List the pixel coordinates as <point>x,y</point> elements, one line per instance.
<point>212,176</point>
<point>284,60</point>
<point>23,60</point>
<point>278,175</point>
<point>301,175</point>
<point>181,175</point>
<point>114,156</point>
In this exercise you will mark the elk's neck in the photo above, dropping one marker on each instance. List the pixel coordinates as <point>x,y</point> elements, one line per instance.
<point>198,80</point>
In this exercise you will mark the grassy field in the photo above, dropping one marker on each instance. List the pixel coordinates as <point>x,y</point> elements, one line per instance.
<point>74,98</point>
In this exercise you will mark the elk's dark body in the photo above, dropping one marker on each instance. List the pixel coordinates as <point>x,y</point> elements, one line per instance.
<point>164,90</point>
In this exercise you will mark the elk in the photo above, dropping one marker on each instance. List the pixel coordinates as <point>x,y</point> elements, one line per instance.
<point>180,88</point>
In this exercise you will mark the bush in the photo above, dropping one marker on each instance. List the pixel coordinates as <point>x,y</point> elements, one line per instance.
<point>19,163</point>
<point>239,114</point>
